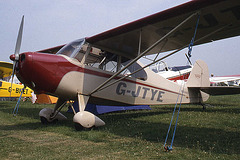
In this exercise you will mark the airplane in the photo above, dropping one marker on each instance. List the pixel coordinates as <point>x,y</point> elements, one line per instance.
<point>5,70</point>
<point>5,87</point>
<point>174,73</point>
<point>181,73</point>
<point>230,80</point>
<point>104,68</point>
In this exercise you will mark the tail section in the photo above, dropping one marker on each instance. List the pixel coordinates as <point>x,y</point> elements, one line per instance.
<point>199,76</point>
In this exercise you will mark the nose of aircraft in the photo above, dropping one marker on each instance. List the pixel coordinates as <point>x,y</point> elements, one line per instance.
<point>22,67</point>
<point>38,71</point>
<point>12,57</point>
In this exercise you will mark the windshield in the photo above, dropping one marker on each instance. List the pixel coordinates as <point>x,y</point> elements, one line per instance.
<point>72,49</point>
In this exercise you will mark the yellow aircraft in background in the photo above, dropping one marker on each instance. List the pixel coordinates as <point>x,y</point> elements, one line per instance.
<point>5,70</point>
<point>5,87</point>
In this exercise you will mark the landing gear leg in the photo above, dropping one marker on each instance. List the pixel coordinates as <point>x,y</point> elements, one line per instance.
<point>203,105</point>
<point>82,102</point>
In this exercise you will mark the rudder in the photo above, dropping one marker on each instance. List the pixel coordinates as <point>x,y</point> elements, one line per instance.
<point>199,76</point>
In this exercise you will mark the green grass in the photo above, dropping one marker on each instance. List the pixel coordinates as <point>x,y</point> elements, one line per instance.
<point>210,134</point>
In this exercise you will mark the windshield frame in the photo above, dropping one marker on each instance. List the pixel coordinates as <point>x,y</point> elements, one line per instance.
<point>72,49</point>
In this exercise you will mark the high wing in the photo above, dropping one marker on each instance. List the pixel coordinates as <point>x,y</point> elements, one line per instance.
<point>52,50</point>
<point>214,15</point>
<point>5,69</point>
<point>222,15</point>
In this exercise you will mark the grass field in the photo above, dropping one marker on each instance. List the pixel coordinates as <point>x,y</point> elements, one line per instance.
<point>210,134</point>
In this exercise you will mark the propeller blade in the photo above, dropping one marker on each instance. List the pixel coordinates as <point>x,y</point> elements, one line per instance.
<point>19,40</point>
<point>13,72</point>
<point>17,50</point>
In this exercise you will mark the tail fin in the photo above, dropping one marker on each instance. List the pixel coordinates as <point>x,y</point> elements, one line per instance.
<point>199,76</point>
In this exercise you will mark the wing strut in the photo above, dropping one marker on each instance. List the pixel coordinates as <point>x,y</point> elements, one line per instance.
<point>189,55</point>
<point>144,53</point>
<point>140,42</point>
<point>161,49</point>
<point>202,38</point>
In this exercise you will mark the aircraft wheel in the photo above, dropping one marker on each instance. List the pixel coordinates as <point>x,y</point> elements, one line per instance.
<point>46,122</point>
<point>86,120</point>
<point>78,127</point>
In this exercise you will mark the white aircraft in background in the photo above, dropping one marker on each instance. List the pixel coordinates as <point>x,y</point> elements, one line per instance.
<point>172,73</point>
<point>231,80</point>
<point>181,73</point>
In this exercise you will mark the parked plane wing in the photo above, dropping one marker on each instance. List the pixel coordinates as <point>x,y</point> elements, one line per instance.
<point>5,69</point>
<point>220,79</point>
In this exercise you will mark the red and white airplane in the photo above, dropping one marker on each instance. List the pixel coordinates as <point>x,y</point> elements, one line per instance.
<point>175,73</point>
<point>104,69</point>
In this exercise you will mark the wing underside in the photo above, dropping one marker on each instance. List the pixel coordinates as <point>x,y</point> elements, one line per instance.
<point>214,14</point>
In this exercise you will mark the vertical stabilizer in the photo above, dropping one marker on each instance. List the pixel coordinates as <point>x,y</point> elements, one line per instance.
<point>199,76</point>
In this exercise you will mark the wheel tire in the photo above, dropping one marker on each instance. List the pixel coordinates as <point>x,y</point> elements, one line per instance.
<point>78,127</point>
<point>44,120</point>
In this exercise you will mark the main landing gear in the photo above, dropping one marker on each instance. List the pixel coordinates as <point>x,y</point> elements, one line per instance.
<point>82,119</point>
<point>48,115</point>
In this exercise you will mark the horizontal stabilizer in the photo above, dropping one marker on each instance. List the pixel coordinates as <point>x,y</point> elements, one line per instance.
<point>220,90</point>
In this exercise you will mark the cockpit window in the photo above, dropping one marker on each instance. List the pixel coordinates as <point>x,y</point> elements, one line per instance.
<point>99,59</point>
<point>72,49</point>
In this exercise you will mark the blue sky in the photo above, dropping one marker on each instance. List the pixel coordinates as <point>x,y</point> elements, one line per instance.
<point>56,22</point>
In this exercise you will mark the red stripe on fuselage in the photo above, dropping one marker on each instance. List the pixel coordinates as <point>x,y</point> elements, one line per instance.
<point>47,70</point>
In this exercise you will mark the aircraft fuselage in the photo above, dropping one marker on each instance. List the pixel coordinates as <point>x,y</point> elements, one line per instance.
<point>66,77</point>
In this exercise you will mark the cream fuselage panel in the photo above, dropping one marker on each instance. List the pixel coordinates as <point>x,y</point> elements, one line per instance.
<point>154,90</point>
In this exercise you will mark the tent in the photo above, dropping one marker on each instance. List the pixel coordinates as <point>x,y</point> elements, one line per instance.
<point>46,99</point>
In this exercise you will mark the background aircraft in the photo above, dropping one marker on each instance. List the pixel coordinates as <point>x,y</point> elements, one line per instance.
<point>5,70</point>
<point>179,73</point>
<point>5,87</point>
<point>79,70</point>
<point>231,80</point>
<point>172,73</point>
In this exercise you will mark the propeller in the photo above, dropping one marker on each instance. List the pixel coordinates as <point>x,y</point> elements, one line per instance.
<point>15,56</point>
